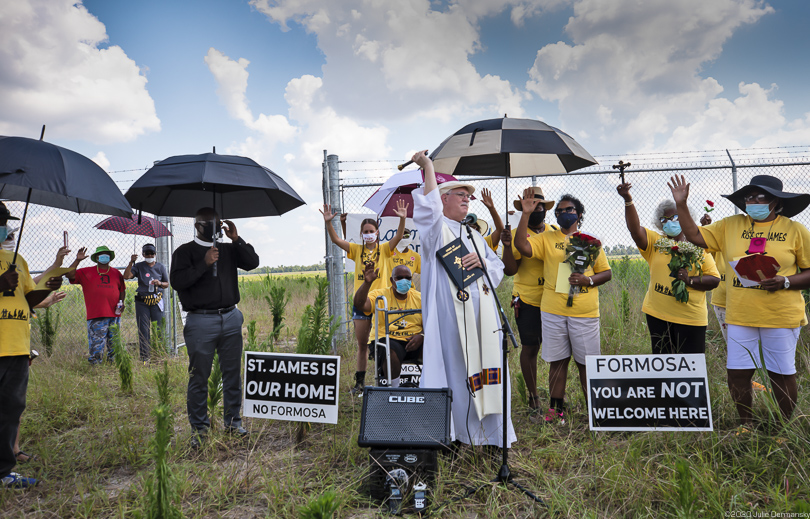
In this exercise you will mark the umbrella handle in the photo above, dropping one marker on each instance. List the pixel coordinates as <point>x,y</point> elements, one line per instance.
<point>10,293</point>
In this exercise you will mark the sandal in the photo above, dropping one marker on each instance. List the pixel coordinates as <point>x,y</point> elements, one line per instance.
<point>26,457</point>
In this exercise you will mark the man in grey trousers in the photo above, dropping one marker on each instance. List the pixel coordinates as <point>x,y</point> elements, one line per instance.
<point>204,274</point>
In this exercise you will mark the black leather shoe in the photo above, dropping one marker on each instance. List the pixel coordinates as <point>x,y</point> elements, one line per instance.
<point>238,430</point>
<point>197,441</point>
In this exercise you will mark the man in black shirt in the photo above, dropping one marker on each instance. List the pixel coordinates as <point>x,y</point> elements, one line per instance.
<point>204,274</point>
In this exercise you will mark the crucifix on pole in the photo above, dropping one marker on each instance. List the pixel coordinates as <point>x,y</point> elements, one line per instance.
<point>621,166</point>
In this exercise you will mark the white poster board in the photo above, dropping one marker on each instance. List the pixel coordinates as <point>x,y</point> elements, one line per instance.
<point>648,393</point>
<point>288,386</point>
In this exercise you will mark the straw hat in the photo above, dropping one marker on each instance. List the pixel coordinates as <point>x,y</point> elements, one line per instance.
<point>538,193</point>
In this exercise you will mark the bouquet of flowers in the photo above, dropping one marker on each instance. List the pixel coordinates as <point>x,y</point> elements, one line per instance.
<point>684,255</point>
<point>581,251</point>
<point>709,207</point>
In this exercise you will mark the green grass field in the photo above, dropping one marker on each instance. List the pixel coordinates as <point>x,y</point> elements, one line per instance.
<point>92,441</point>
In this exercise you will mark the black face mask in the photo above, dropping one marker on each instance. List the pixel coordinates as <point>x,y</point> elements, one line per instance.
<point>536,218</point>
<point>207,229</point>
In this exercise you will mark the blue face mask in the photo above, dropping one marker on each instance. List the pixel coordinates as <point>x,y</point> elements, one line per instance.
<point>3,233</point>
<point>103,258</point>
<point>403,285</point>
<point>566,220</point>
<point>672,229</point>
<point>758,211</point>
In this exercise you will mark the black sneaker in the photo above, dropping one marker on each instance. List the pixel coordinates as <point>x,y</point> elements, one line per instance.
<point>237,430</point>
<point>357,390</point>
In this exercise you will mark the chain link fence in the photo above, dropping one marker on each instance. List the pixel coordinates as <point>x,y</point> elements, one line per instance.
<point>711,174</point>
<point>42,237</point>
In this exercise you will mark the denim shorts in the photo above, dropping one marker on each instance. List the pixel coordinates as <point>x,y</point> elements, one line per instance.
<point>358,314</point>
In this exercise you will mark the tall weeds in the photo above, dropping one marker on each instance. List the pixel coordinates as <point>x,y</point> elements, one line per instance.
<point>48,325</point>
<point>214,388</point>
<point>317,329</point>
<point>277,301</point>
<point>161,489</point>
<point>157,337</point>
<point>123,360</point>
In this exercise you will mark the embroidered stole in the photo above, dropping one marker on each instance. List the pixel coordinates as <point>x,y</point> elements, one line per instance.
<point>482,354</point>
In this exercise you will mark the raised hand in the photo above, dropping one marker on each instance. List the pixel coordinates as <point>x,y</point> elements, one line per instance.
<point>528,202</point>
<point>60,255</point>
<point>230,230</point>
<point>420,158</point>
<point>705,219</point>
<point>343,218</point>
<point>679,188</point>
<point>133,258</point>
<point>327,213</point>
<point>624,191</point>
<point>370,273</point>
<point>82,254</point>
<point>486,198</point>
<point>402,209</point>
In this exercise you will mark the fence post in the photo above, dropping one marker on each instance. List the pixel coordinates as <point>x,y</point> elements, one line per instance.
<point>733,179</point>
<point>337,282</point>
<point>164,256</point>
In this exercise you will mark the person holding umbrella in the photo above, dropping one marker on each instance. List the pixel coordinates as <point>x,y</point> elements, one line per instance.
<point>372,251</point>
<point>152,279</point>
<point>764,320</point>
<point>104,293</point>
<point>675,327</point>
<point>15,349</point>
<point>567,330</point>
<point>527,292</point>
<point>214,324</point>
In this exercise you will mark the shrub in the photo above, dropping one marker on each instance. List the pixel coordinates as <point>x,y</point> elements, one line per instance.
<point>277,300</point>
<point>48,325</point>
<point>317,328</point>
<point>214,388</point>
<point>123,360</point>
<point>161,489</point>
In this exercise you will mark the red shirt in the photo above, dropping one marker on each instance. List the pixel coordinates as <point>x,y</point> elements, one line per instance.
<point>102,290</point>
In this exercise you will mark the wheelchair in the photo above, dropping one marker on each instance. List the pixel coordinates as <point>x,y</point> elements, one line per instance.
<point>412,368</point>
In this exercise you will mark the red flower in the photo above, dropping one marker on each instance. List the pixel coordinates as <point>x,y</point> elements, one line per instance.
<point>675,248</point>
<point>710,203</point>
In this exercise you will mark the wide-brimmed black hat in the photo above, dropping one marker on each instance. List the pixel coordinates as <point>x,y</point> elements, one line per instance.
<point>5,214</point>
<point>792,203</point>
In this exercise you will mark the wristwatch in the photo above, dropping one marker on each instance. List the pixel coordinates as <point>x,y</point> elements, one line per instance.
<point>591,280</point>
<point>787,283</point>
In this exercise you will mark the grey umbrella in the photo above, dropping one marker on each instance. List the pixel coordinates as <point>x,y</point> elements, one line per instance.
<point>42,173</point>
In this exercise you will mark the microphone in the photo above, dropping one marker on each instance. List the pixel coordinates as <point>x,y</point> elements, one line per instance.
<point>470,219</point>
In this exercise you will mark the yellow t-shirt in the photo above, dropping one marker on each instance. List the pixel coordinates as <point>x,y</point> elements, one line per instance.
<point>410,258</point>
<point>381,256</point>
<point>488,239</point>
<point>788,242</point>
<point>15,328</point>
<point>399,327</point>
<point>719,293</point>
<point>660,302</point>
<point>529,278</point>
<point>549,247</point>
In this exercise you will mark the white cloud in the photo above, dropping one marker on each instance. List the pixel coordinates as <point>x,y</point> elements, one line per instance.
<point>55,71</point>
<point>101,159</point>
<point>632,77</point>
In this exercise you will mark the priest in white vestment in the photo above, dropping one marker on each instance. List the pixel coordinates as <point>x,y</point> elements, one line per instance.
<point>463,343</point>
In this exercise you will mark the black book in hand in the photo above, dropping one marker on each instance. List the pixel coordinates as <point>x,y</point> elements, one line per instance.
<point>450,257</point>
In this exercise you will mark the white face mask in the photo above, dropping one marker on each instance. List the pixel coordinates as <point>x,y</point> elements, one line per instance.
<point>403,244</point>
<point>150,260</point>
<point>370,237</point>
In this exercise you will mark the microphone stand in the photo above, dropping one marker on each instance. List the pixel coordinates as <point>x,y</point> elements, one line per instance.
<point>504,474</point>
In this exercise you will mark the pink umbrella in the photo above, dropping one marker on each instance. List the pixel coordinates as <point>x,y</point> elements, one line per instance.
<point>399,187</point>
<point>147,227</point>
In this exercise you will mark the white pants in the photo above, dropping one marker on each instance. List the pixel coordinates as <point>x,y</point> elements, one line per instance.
<point>778,348</point>
<point>565,336</point>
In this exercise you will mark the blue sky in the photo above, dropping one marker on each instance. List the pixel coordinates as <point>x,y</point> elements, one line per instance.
<point>129,83</point>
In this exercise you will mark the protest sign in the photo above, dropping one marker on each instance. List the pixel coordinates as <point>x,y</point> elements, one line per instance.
<point>286,386</point>
<point>648,393</point>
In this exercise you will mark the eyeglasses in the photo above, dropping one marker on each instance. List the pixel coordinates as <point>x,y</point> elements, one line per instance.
<point>664,219</point>
<point>569,209</point>
<point>761,198</point>
<point>461,194</point>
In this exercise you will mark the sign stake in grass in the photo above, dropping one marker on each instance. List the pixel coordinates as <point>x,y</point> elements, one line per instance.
<point>161,489</point>
<point>123,360</point>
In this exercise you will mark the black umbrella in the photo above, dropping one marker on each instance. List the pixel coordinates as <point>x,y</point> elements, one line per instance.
<point>236,187</point>
<point>41,173</point>
<point>510,148</point>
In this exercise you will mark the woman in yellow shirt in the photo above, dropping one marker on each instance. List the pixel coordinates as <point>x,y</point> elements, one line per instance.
<point>763,320</point>
<point>567,330</point>
<point>675,327</point>
<point>372,251</point>
<point>527,292</point>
